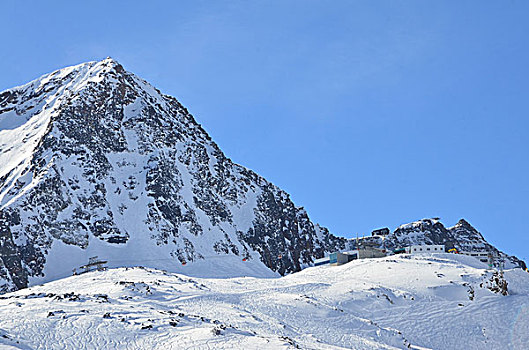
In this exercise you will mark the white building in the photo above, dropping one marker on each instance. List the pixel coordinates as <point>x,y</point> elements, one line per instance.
<point>425,249</point>
<point>481,256</point>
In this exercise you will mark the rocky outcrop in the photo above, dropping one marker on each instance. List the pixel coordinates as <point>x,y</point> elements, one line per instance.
<point>462,236</point>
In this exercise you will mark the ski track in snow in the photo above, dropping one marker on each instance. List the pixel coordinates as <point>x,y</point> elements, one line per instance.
<point>389,303</point>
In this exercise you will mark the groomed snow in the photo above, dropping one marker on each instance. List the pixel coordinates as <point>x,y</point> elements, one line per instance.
<point>432,302</point>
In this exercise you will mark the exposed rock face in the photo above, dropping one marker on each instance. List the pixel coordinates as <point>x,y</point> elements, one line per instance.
<point>462,236</point>
<point>93,156</point>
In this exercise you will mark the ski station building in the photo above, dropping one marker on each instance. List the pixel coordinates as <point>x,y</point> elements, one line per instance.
<point>371,252</point>
<point>337,258</point>
<point>322,261</point>
<point>340,258</point>
<point>482,256</point>
<point>425,249</point>
<point>368,252</point>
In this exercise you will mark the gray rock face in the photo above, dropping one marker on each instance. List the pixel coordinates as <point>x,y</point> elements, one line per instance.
<point>462,236</point>
<point>94,152</point>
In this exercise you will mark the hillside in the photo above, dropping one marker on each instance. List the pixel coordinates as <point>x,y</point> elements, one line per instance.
<point>444,301</point>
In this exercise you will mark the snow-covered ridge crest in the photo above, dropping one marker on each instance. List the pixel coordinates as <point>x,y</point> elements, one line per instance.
<point>96,161</point>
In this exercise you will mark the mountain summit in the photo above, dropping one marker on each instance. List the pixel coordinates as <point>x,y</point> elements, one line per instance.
<point>96,161</point>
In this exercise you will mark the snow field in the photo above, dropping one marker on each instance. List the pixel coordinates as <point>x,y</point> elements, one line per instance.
<point>388,303</point>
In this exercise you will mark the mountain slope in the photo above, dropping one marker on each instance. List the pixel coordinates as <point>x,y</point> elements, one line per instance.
<point>95,161</point>
<point>443,301</point>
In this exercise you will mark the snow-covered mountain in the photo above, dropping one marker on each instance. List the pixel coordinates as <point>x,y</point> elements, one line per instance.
<point>95,161</point>
<point>442,301</point>
<point>462,236</point>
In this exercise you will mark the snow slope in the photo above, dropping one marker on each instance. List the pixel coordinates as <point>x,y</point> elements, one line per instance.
<point>442,301</point>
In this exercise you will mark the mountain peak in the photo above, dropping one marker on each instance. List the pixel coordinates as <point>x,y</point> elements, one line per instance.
<point>111,166</point>
<point>112,64</point>
<point>463,222</point>
<point>109,59</point>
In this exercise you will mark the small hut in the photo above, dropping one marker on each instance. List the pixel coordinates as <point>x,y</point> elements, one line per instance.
<point>380,232</point>
<point>94,263</point>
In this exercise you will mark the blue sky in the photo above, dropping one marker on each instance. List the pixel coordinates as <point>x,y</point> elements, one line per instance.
<point>369,113</point>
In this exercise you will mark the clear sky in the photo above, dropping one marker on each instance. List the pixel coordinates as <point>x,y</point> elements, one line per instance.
<point>369,113</point>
